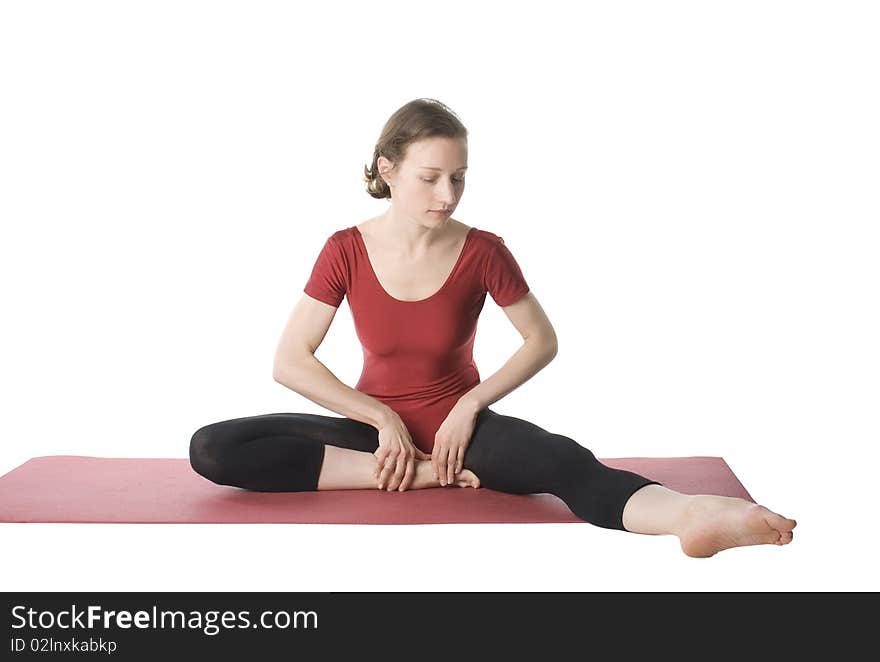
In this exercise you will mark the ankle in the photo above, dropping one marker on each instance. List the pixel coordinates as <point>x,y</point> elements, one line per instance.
<point>655,509</point>
<point>424,475</point>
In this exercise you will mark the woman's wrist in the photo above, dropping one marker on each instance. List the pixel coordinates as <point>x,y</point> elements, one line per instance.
<point>384,417</point>
<point>469,404</point>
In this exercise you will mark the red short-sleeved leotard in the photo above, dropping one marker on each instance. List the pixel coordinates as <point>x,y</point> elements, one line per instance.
<point>418,355</point>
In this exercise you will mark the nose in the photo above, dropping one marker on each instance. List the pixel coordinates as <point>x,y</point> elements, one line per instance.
<point>447,197</point>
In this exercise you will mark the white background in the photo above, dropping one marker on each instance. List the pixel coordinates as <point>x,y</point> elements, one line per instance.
<point>689,188</point>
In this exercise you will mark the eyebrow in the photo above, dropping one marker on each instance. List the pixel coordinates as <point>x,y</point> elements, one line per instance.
<point>430,168</point>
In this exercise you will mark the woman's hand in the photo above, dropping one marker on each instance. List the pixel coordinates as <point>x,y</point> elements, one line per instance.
<point>396,456</point>
<point>451,442</point>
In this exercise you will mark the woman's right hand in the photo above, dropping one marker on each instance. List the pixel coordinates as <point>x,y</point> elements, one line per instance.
<point>396,455</point>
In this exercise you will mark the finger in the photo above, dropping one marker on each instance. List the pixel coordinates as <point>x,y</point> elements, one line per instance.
<point>460,461</point>
<point>399,470</point>
<point>394,472</point>
<point>387,473</point>
<point>390,462</point>
<point>435,463</point>
<point>380,455</point>
<point>383,470</point>
<point>407,478</point>
<point>441,467</point>
<point>450,466</point>
<point>380,477</point>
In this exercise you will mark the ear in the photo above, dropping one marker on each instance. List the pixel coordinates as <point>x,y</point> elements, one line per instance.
<point>385,167</point>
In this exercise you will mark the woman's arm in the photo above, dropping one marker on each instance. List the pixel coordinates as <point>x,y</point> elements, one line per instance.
<point>313,380</point>
<point>538,349</point>
<point>297,368</point>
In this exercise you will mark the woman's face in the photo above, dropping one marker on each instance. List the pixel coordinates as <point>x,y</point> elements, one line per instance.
<point>429,178</point>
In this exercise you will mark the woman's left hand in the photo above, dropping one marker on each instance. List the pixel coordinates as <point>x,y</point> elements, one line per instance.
<point>451,442</point>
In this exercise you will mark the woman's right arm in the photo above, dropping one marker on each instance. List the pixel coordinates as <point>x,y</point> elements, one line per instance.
<point>312,379</point>
<point>297,368</point>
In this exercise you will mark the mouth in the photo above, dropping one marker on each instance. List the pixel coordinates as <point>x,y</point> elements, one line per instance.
<point>440,211</point>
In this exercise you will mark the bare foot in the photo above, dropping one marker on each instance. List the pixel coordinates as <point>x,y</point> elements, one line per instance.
<point>425,477</point>
<point>713,523</point>
<point>466,478</point>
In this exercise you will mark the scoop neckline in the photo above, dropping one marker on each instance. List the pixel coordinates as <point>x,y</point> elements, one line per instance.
<point>360,237</point>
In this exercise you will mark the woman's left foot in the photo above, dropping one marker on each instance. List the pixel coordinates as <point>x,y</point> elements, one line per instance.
<point>714,523</point>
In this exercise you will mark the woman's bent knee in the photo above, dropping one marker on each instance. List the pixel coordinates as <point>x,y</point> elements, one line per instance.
<point>205,457</point>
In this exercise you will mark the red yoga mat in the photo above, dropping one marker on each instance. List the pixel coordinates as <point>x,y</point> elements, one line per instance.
<point>74,488</point>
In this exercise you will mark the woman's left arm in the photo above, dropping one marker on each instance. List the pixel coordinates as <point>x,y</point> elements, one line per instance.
<point>538,349</point>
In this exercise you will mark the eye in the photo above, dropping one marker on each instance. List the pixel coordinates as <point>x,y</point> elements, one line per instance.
<point>457,181</point>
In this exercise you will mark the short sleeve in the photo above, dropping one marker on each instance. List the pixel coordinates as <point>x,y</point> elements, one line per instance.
<point>503,278</point>
<point>327,281</point>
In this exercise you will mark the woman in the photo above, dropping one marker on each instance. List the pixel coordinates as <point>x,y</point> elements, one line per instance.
<point>416,280</point>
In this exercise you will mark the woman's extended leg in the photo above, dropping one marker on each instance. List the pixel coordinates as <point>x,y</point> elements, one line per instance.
<point>513,455</point>
<point>705,523</point>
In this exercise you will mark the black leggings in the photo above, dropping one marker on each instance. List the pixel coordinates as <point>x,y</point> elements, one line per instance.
<point>284,453</point>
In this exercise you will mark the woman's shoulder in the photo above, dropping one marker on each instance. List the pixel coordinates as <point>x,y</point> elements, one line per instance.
<point>343,237</point>
<point>486,235</point>
<point>488,239</point>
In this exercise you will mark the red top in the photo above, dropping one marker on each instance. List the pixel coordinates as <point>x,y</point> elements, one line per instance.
<point>418,355</point>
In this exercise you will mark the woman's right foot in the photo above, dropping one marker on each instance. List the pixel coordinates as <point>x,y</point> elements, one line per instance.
<point>425,477</point>
<point>466,478</point>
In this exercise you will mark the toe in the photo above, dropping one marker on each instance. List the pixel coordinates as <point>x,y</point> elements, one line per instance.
<point>779,522</point>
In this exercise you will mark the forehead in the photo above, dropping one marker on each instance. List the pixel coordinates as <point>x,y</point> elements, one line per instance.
<point>438,153</point>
